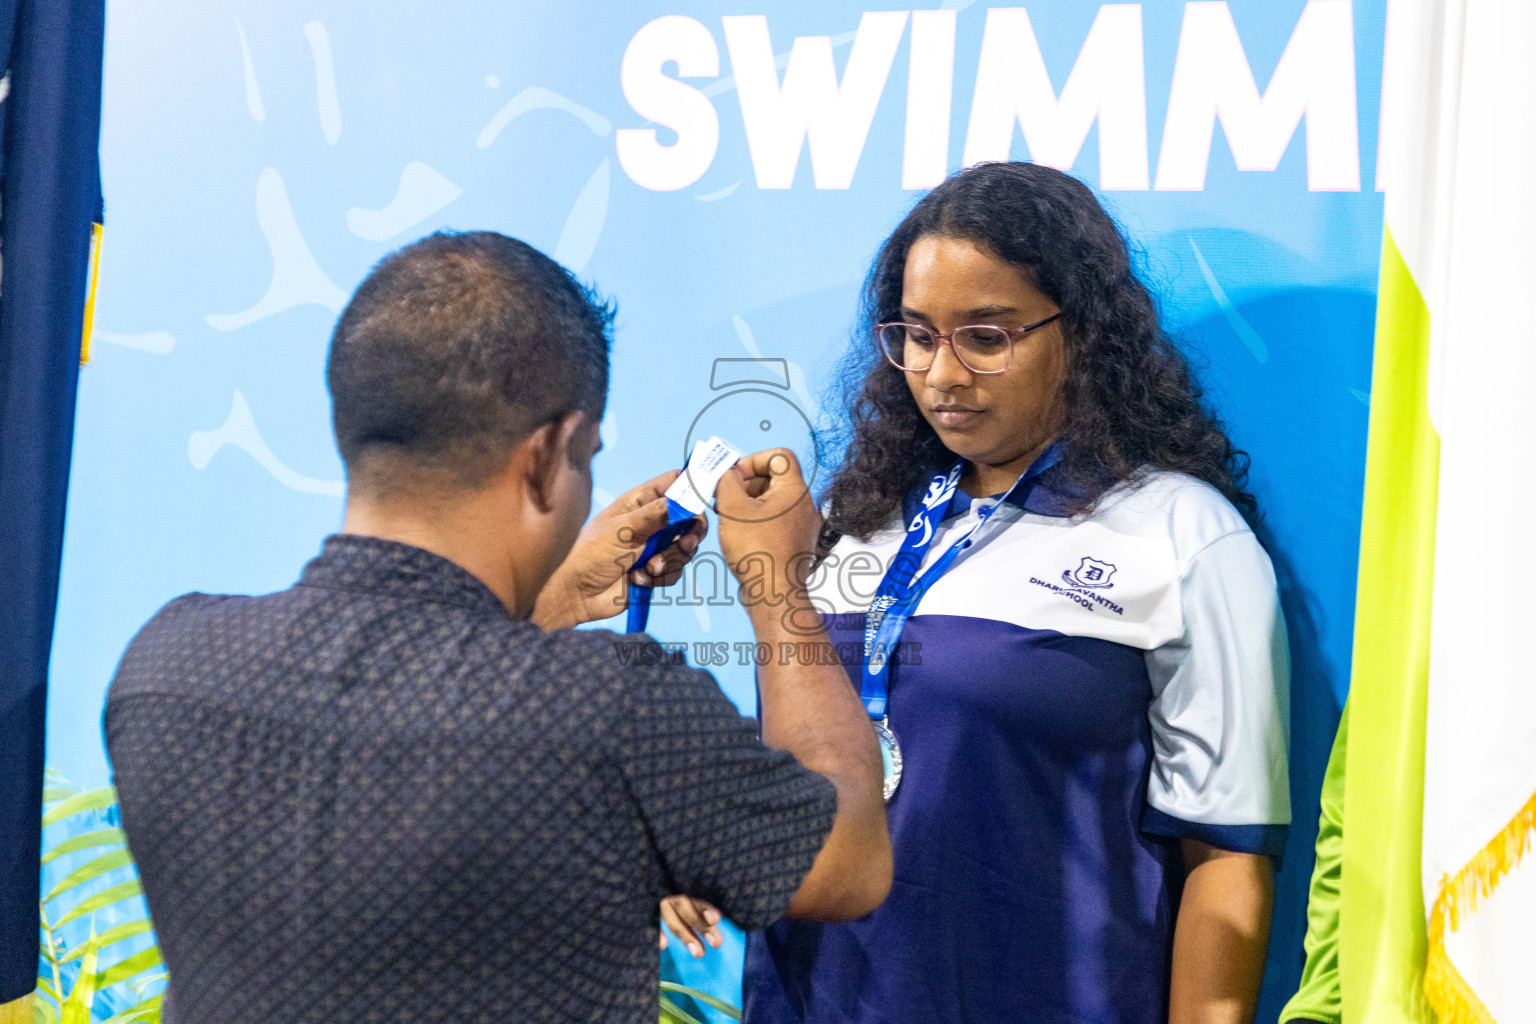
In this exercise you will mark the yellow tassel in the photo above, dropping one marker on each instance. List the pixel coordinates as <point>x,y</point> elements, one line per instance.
<point>1448,992</point>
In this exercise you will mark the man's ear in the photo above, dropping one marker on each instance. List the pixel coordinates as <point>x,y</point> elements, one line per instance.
<point>548,455</point>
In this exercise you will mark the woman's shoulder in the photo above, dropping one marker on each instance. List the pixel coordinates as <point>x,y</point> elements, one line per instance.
<point>1189,512</point>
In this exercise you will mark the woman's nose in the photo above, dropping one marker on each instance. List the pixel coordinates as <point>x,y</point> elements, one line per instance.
<point>947,371</point>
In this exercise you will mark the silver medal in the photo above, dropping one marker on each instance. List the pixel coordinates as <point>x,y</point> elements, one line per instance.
<point>890,756</point>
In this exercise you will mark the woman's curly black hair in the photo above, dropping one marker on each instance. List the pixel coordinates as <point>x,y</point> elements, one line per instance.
<point>1130,398</point>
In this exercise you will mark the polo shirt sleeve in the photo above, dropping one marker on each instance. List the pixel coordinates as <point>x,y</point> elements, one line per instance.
<point>1220,709</point>
<point>732,821</point>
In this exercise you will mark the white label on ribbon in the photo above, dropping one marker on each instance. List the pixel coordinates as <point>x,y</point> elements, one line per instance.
<point>708,463</point>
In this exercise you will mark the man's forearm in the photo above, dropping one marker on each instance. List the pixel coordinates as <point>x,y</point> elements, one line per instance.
<point>809,708</point>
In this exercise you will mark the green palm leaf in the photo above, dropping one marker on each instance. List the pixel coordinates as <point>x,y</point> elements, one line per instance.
<point>52,793</point>
<point>89,870</point>
<point>148,1010</point>
<point>671,1013</point>
<point>94,800</point>
<point>84,841</point>
<point>703,997</point>
<point>117,934</point>
<point>140,961</point>
<point>77,1008</point>
<point>44,1012</point>
<point>108,896</point>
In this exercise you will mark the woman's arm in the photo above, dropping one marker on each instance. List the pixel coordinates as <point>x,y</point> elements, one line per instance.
<point>1222,935</point>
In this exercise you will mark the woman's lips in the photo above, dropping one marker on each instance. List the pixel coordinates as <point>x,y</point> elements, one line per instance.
<point>955,416</point>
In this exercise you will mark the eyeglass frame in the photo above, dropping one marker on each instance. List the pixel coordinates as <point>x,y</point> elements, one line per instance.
<point>941,339</point>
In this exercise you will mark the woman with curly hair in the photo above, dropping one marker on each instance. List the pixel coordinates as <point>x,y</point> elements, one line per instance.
<point>1037,551</point>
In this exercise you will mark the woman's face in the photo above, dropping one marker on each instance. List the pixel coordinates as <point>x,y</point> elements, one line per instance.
<point>993,419</point>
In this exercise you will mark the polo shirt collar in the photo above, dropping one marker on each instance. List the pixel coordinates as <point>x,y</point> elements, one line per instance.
<point>1050,494</point>
<point>350,561</point>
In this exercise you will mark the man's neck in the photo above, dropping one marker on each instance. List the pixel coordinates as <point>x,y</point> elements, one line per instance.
<point>456,531</point>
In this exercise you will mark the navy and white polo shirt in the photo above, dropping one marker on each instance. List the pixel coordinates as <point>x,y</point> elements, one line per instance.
<point>1071,698</point>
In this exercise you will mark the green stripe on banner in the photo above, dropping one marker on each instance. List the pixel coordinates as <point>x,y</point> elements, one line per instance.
<point>1382,939</point>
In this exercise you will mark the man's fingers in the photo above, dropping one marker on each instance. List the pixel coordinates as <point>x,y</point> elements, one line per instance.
<point>709,917</point>
<point>755,475</point>
<point>697,531</point>
<point>665,567</point>
<point>632,529</point>
<point>679,553</point>
<point>697,920</point>
<point>671,916</point>
<point>639,496</point>
<point>769,464</point>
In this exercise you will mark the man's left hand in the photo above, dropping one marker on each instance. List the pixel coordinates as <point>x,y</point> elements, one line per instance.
<point>593,581</point>
<point>696,922</point>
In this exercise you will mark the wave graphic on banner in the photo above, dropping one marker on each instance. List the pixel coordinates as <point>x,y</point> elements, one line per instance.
<point>539,98</point>
<point>584,225</point>
<point>421,193</point>
<point>239,429</point>
<point>325,81</point>
<point>158,342</point>
<point>297,279</point>
<point>253,102</point>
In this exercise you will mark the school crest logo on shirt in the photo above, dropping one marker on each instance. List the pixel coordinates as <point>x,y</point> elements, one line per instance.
<point>1090,573</point>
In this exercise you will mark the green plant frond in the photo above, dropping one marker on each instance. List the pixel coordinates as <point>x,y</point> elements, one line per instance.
<point>111,935</point>
<point>703,997</point>
<point>44,1012</point>
<point>150,1016</point>
<point>84,841</point>
<point>147,1011</point>
<point>46,988</point>
<point>89,870</point>
<point>77,1008</point>
<point>122,891</point>
<point>671,1013</point>
<point>140,961</point>
<point>138,985</point>
<point>94,800</point>
<point>52,793</point>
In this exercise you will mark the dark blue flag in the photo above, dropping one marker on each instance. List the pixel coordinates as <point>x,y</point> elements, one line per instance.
<point>50,194</point>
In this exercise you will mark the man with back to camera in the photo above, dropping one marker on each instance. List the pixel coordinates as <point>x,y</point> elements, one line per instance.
<point>404,789</point>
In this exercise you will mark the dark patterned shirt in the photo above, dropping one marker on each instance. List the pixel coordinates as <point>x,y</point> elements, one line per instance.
<point>377,797</point>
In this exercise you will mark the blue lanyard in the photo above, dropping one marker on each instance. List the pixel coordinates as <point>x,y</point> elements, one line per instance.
<point>903,587</point>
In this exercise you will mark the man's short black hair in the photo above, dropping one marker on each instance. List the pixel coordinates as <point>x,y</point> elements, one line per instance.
<point>456,347</point>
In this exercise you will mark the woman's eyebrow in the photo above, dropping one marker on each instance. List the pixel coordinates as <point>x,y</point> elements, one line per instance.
<point>989,311</point>
<point>914,315</point>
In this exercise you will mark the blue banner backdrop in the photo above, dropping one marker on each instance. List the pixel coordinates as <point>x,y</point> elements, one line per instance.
<point>726,176</point>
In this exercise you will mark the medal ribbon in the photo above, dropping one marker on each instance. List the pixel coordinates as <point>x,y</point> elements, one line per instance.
<point>709,461</point>
<point>903,587</point>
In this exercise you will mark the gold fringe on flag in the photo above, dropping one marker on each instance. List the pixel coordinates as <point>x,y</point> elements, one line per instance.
<point>1448,992</point>
<point>88,322</point>
<point>18,1011</point>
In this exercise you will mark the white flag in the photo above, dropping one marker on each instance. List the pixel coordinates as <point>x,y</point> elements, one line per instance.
<point>1458,164</point>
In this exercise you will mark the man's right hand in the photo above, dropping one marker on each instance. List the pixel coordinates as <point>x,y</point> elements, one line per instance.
<point>764,508</point>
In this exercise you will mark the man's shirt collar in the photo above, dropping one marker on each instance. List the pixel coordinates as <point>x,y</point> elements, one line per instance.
<point>350,561</point>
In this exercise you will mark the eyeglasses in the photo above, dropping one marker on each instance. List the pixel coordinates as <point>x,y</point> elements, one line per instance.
<point>981,348</point>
